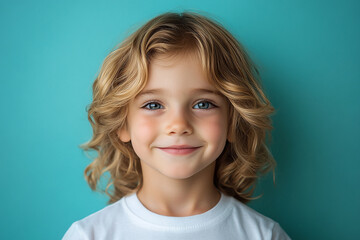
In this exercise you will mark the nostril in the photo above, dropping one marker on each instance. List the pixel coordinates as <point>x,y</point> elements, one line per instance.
<point>178,123</point>
<point>180,130</point>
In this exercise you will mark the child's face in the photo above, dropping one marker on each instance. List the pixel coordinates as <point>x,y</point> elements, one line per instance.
<point>178,123</point>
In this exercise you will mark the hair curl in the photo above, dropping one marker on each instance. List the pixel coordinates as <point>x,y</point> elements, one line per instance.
<point>124,74</point>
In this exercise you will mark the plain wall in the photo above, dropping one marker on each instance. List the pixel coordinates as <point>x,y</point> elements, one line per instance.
<point>308,56</point>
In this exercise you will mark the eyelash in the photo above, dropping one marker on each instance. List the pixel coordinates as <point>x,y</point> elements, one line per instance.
<point>212,105</point>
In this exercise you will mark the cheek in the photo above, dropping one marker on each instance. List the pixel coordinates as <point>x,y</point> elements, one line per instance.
<point>214,129</point>
<point>143,130</point>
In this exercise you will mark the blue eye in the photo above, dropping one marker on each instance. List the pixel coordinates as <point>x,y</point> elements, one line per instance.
<point>153,106</point>
<point>204,105</point>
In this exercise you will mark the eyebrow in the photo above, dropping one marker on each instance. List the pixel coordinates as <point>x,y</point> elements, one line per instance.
<point>194,91</point>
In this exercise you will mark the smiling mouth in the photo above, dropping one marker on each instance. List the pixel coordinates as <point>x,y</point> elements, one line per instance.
<point>179,150</point>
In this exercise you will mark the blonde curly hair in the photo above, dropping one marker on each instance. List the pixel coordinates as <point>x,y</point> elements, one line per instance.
<point>124,74</point>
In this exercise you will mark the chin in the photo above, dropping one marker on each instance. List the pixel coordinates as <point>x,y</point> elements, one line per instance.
<point>181,173</point>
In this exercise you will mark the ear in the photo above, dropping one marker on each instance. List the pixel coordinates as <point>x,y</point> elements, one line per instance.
<point>123,134</point>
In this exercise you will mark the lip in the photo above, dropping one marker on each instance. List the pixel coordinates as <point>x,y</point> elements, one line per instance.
<point>179,149</point>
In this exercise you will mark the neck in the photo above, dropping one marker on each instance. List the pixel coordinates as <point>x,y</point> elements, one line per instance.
<point>179,197</point>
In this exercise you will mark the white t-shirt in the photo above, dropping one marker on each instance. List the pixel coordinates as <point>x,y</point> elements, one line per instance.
<point>129,219</point>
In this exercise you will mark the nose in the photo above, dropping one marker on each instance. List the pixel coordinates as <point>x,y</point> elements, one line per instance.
<point>179,123</point>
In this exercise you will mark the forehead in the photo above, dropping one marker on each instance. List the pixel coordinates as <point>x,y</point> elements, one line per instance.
<point>168,60</point>
<point>185,68</point>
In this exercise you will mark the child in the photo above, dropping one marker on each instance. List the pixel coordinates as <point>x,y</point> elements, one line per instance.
<point>179,123</point>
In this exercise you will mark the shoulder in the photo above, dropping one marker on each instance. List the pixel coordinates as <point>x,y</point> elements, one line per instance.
<point>97,224</point>
<point>247,212</point>
<point>106,215</point>
<point>256,224</point>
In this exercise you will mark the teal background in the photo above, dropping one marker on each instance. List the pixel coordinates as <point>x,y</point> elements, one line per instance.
<point>308,55</point>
